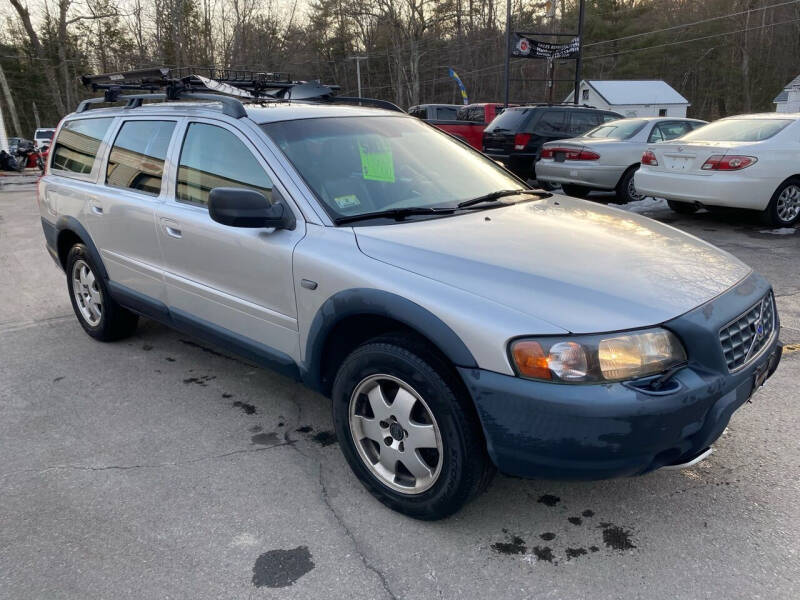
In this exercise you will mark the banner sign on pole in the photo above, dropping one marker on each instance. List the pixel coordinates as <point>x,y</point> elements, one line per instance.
<point>525,47</point>
<point>460,84</point>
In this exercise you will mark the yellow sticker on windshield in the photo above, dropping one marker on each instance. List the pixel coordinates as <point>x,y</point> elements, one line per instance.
<point>377,163</point>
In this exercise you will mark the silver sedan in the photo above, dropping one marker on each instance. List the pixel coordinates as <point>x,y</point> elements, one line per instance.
<point>606,157</point>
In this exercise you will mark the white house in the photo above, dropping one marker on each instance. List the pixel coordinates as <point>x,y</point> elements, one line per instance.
<point>633,98</point>
<point>788,101</point>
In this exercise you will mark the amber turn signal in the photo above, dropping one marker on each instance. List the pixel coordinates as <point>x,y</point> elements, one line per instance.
<point>530,359</point>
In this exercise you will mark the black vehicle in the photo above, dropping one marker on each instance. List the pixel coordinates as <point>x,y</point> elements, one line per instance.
<point>516,136</point>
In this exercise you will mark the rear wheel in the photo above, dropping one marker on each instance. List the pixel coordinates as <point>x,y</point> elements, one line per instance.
<point>407,430</point>
<point>684,208</point>
<point>99,315</point>
<point>626,190</point>
<point>784,206</point>
<point>577,191</point>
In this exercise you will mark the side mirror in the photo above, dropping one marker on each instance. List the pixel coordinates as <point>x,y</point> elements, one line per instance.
<point>240,207</point>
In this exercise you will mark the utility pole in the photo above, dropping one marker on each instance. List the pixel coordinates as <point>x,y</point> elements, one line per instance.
<point>579,60</point>
<point>506,57</point>
<point>358,60</point>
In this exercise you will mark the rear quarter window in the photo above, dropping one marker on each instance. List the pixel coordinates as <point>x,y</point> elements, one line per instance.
<point>77,144</point>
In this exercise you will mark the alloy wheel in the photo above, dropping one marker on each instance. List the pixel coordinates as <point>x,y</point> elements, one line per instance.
<point>88,297</point>
<point>788,205</point>
<point>396,434</point>
<point>632,193</point>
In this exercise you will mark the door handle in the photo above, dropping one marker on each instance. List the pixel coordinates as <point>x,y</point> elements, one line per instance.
<point>171,228</point>
<point>96,209</point>
<point>176,233</point>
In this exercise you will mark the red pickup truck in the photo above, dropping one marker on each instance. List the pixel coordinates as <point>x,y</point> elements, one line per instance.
<point>470,122</point>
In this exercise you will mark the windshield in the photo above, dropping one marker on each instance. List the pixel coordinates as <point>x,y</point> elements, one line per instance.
<point>358,165</point>
<point>44,134</point>
<point>512,119</point>
<point>623,129</point>
<point>737,130</point>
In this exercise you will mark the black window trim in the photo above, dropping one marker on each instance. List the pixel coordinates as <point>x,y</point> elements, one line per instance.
<point>117,128</point>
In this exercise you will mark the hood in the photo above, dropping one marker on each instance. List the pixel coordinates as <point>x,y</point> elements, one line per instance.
<point>578,265</point>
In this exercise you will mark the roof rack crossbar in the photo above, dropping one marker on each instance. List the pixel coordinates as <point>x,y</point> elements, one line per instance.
<point>232,107</point>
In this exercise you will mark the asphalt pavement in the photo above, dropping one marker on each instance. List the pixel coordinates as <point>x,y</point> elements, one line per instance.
<point>160,467</point>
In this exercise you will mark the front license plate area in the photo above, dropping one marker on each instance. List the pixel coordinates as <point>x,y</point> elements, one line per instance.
<point>762,373</point>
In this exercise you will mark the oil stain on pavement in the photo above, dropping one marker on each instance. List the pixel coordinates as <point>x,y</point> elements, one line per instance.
<point>247,408</point>
<point>281,568</point>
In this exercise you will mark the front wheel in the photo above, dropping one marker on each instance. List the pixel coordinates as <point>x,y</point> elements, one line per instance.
<point>407,430</point>
<point>626,189</point>
<point>783,209</point>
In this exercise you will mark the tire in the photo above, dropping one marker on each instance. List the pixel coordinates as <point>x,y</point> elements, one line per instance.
<point>626,192</point>
<point>783,209</point>
<point>99,315</point>
<point>576,191</point>
<point>684,208</point>
<point>451,461</point>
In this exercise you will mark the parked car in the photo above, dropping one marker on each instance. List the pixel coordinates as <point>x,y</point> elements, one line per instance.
<point>459,320</point>
<point>470,121</point>
<point>43,136</point>
<point>516,137</point>
<point>607,157</point>
<point>435,112</point>
<point>748,161</point>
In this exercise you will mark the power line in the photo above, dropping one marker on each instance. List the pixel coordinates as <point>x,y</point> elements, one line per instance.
<point>674,27</point>
<point>697,39</point>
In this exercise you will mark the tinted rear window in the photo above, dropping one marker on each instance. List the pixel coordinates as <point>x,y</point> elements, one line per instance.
<point>738,130</point>
<point>512,119</point>
<point>77,144</point>
<point>618,130</point>
<point>44,134</point>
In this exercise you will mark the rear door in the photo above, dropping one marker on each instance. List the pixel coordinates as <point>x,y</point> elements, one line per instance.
<point>233,279</point>
<point>130,187</point>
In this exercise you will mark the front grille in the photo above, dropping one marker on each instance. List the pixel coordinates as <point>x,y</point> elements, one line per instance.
<point>744,337</point>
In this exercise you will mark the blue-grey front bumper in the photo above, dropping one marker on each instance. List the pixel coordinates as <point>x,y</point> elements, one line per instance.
<point>546,430</point>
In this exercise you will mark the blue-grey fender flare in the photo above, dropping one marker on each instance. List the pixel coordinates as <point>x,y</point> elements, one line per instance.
<point>67,223</point>
<point>367,301</point>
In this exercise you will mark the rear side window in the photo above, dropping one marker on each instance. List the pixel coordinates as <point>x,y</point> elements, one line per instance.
<point>137,156</point>
<point>581,122</point>
<point>446,113</point>
<point>77,144</point>
<point>552,122</point>
<point>668,131</point>
<point>214,157</point>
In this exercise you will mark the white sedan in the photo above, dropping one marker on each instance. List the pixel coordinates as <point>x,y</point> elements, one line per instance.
<point>747,161</point>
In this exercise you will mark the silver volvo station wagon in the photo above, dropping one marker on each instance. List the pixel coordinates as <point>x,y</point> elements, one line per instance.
<point>459,321</point>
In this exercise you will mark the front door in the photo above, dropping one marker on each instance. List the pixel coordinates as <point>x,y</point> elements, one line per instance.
<point>236,281</point>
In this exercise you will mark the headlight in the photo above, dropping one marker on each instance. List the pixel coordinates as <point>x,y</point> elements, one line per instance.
<point>597,358</point>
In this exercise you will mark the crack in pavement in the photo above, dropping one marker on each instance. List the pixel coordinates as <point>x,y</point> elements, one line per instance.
<point>145,466</point>
<point>352,538</point>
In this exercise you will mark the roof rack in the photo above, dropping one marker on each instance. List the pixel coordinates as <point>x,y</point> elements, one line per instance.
<point>557,104</point>
<point>227,86</point>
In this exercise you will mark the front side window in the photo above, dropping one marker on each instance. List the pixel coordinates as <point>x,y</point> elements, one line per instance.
<point>738,130</point>
<point>369,164</point>
<point>137,156</point>
<point>214,157</point>
<point>77,144</point>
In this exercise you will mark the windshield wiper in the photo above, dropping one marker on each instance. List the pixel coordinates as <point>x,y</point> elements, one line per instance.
<point>398,214</point>
<point>493,196</point>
